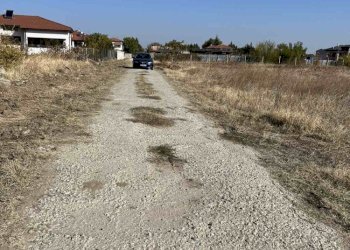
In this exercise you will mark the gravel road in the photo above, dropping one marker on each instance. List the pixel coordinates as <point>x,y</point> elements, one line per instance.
<point>107,194</point>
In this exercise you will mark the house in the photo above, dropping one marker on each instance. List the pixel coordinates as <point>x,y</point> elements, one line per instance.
<point>218,49</point>
<point>333,54</point>
<point>117,44</point>
<point>155,48</point>
<point>78,39</point>
<point>35,34</point>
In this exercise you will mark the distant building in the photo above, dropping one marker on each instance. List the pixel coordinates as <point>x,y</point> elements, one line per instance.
<point>333,54</point>
<point>35,34</point>
<point>218,49</point>
<point>155,48</point>
<point>118,44</point>
<point>78,39</point>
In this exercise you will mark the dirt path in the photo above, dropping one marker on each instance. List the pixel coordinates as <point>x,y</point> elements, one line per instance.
<point>110,194</point>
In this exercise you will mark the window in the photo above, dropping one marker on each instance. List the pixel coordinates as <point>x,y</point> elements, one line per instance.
<point>45,43</point>
<point>143,56</point>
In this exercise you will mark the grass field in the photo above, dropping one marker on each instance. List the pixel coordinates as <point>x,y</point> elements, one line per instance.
<point>298,118</point>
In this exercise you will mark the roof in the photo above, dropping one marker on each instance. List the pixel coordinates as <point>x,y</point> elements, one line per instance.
<point>221,46</point>
<point>78,36</point>
<point>337,48</point>
<point>34,23</point>
<point>116,40</point>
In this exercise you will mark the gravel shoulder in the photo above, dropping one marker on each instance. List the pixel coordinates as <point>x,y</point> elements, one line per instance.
<point>108,193</point>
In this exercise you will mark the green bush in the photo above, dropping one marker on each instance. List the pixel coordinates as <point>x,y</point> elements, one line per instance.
<point>347,61</point>
<point>10,56</point>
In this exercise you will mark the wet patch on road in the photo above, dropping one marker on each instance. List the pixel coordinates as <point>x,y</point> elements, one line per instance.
<point>151,116</point>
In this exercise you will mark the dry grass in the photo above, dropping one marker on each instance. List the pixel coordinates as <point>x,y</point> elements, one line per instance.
<point>151,116</point>
<point>145,89</point>
<point>46,105</point>
<point>298,118</point>
<point>44,66</point>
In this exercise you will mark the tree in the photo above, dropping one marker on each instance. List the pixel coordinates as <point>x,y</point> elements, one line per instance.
<point>298,51</point>
<point>99,41</point>
<point>285,51</point>
<point>212,41</point>
<point>248,49</point>
<point>192,47</point>
<point>268,51</point>
<point>233,46</point>
<point>290,52</point>
<point>176,46</point>
<point>132,45</point>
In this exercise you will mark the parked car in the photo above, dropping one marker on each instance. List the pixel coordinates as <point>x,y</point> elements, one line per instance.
<point>143,60</point>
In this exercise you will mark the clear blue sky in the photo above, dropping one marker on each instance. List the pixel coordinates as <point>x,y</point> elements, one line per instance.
<point>317,23</point>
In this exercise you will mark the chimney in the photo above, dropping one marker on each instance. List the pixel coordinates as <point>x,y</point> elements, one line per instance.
<point>9,14</point>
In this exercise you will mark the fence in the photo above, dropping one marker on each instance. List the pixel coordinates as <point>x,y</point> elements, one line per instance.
<point>95,54</point>
<point>229,58</point>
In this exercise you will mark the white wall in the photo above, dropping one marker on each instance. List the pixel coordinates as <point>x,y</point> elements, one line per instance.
<point>120,55</point>
<point>32,51</point>
<point>66,36</point>
<point>25,34</point>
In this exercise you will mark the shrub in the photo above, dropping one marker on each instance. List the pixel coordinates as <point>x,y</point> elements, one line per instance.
<point>347,61</point>
<point>10,56</point>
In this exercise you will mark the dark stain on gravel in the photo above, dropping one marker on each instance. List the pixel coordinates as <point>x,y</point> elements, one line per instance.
<point>164,155</point>
<point>191,183</point>
<point>93,186</point>
<point>121,184</point>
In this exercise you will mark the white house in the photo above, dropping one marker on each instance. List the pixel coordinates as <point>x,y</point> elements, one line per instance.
<point>35,34</point>
<point>118,46</point>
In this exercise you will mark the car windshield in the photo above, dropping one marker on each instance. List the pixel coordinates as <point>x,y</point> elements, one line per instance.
<point>143,56</point>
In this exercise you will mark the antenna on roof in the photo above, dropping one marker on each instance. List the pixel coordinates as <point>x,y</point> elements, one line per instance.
<point>9,14</point>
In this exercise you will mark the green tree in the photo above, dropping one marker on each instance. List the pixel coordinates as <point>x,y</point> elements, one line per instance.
<point>346,60</point>
<point>132,45</point>
<point>298,51</point>
<point>212,41</point>
<point>233,46</point>
<point>99,41</point>
<point>285,51</point>
<point>176,46</point>
<point>192,47</point>
<point>268,51</point>
<point>248,49</point>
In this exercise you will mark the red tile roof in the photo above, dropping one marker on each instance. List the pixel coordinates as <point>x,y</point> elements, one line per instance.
<point>116,40</point>
<point>78,36</point>
<point>221,46</point>
<point>34,23</point>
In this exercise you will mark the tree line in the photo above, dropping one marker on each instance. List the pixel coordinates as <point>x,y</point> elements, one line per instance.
<point>266,51</point>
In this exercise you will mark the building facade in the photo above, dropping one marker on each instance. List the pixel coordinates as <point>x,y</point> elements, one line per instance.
<point>35,34</point>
